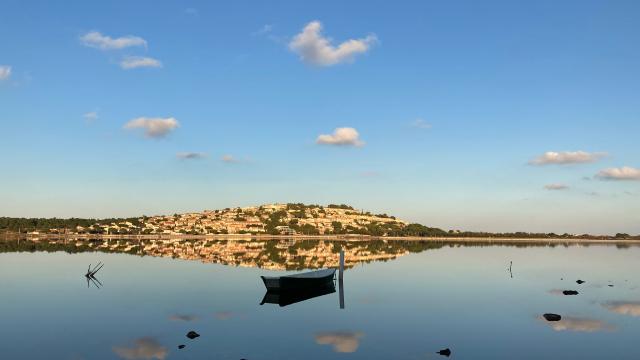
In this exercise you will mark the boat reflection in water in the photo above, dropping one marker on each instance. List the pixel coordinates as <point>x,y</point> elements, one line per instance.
<point>288,297</point>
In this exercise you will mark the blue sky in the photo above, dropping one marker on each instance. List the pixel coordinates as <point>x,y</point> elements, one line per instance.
<point>446,105</point>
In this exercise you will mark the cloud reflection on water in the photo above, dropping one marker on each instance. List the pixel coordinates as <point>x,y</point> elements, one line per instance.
<point>146,348</point>
<point>183,317</point>
<point>342,341</point>
<point>569,323</point>
<point>631,308</point>
<point>223,315</point>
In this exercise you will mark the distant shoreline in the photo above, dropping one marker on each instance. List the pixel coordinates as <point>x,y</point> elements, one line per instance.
<point>346,238</point>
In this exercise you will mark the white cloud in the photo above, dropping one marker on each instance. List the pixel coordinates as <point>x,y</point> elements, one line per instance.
<point>132,62</point>
<point>103,42</point>
<point>144,348</point>
<point>265,29</point>
<point>191,155</point>
<point>342,342</point>
<point>153,127</point>
<point>90,116</point>
<point>623,173</point>
<point>567,157</point>
<point>315,49</point>
<point>420,124</point>
<point>230,159</point>
<point>556,187</point>
<point>345,136</point>
<point>5,72</point>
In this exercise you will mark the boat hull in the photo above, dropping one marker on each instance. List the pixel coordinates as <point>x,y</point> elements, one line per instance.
<point>303,281</point>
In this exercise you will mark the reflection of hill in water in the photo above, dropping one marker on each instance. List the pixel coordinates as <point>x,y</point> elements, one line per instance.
<point>280,254</point>
<point>267,254</point>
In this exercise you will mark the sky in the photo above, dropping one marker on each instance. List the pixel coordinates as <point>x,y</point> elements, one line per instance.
<point>487,116</point>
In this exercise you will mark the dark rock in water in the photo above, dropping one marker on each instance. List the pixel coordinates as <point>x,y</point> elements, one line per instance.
<point>446,352</point>
<point>552,317</point>
<point>192,335</point>
<point>580,281</point>
<point>610,285</point>
<point>181,346</point>
<point>569,292</point>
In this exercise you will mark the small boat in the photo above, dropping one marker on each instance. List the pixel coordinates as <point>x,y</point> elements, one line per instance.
<point>308,280</point>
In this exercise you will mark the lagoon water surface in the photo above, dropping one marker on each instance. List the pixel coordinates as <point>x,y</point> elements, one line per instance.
<point>402,301</point>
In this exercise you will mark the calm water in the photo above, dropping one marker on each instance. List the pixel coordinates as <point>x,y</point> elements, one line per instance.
<point>416,302</point>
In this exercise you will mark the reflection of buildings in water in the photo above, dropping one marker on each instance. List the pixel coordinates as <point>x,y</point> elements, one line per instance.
<point>269,254</point>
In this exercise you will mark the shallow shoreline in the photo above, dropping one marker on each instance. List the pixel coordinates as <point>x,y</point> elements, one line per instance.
<point>349,238</point>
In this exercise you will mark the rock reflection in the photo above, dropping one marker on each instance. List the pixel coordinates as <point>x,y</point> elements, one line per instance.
<point>568,323</point>
<point>342,341</point>
<point>144,348</point>
<point>631,308</point>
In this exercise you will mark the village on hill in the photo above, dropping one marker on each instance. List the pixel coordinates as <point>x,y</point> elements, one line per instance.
<point>271,219</point>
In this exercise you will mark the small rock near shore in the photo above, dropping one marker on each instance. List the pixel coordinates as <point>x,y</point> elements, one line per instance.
<point>446,352</point>
<point>580,282</point>
<point>181,346</point>
<point>569,292</point>
<point>192,335</point>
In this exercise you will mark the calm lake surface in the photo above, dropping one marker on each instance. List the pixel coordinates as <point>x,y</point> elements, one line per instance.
<point>402,301</point>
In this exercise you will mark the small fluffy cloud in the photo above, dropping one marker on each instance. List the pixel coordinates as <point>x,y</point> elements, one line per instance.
<point>90,116</point>
<point>144,348</point>
<point>133,62</point>
<point>345,136</point>
<point>623,173</point>
<point>566,158</point>
<point>96,40</point>
<point>191,155</point>
<point>342,342</point>
<point>230,159</point>
<point>153,127</point>
<point>556,187</point>
<point>265,29</point>
<point>5,72</point>
<point>420,124</point>
<point>315,49</point>
<point>631,308</point>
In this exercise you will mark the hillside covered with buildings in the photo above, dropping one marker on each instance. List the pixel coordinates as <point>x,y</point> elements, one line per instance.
<point>271,219</point>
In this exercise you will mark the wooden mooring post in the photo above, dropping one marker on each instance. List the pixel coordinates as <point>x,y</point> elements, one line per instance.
<point>340,280</point>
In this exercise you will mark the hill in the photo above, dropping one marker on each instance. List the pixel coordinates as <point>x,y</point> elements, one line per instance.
<point>269,219</point>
